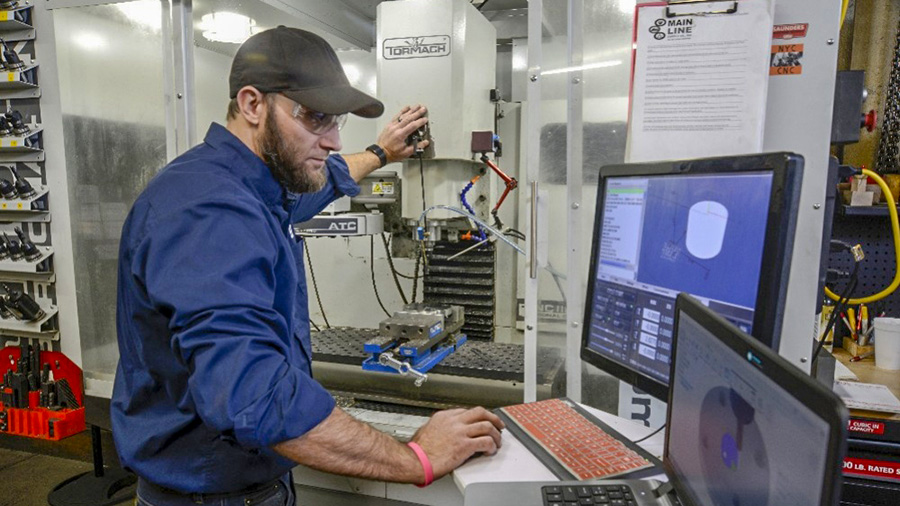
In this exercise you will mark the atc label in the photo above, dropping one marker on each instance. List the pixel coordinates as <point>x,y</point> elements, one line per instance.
<point>786,60</point>
<point>429,46</point>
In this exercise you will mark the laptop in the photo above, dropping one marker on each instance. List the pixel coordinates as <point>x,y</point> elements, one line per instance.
<point>744,428</point>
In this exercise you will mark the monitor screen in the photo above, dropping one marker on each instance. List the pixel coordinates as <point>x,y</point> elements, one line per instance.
<point>720,229</point>
<point>744,427</point>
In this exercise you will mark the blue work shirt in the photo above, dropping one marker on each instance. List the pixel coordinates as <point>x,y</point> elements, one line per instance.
<point>213,323</point>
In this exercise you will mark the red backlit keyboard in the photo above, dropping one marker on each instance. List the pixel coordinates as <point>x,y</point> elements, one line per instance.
<point>572,442</point>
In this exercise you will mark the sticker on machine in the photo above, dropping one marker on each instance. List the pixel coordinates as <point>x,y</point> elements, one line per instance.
<point>382,188</point>
<point>790,31</point>
<point>787,60</point>
<point>427,46</point>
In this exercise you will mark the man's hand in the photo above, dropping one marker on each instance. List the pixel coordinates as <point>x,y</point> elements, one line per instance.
<point>454,435</point>
<point>393,138</point>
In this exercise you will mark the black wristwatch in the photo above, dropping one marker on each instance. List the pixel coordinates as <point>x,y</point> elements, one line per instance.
<point>377,151</point>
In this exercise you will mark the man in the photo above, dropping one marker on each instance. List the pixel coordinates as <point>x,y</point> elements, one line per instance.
<point>214,401</point>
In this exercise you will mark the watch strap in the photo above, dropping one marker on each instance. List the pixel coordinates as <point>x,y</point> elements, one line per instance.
<point>377,151</point>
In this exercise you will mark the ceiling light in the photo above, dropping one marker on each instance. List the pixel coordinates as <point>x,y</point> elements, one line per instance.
<point>143,12</point>
<point>227,27</point>
<point>588,66</point>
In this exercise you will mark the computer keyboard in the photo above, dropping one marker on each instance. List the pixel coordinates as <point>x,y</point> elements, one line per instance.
<point>603,495</point>
<point>571,442</point>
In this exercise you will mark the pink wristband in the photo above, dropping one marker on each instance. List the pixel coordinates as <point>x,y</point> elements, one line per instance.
<point>426,464</point>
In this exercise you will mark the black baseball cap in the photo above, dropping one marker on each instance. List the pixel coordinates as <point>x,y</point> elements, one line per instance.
<point>303,67</point>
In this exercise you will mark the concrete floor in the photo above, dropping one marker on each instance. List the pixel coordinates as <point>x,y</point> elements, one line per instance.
<point>27,478</point>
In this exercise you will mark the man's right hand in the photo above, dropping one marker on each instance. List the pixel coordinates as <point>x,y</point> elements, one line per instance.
<point>454,435</point>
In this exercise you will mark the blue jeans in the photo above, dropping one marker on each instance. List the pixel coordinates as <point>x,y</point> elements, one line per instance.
<point>279,493</point>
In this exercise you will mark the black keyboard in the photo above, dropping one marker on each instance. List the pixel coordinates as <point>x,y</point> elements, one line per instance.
<point>586,495</point>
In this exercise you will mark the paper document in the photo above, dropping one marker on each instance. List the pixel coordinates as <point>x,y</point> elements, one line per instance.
<point>867,396</point>
<point>700,80</point>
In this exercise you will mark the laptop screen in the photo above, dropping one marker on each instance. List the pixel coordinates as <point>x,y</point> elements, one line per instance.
<point>735,437</point>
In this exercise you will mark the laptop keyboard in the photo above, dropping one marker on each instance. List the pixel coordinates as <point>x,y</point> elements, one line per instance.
<point>604,495</point>
<point>578,444</point>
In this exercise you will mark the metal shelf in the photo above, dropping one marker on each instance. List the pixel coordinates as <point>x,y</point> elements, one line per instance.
<point>24,266</point>
<point>20,83</point>
<point>13,29</point>
<point>22,143</point>
<point>32,330</point>
<point>32,209</point>
<point>876,210</point>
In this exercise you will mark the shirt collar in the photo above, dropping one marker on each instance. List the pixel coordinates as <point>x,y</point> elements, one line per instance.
<point>248,167</point>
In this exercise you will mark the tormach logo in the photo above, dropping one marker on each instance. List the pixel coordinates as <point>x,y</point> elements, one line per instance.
<point>680,28</point>
<point>428,46</point>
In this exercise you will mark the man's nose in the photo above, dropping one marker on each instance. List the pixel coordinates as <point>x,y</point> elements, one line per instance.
<point>331,140</point>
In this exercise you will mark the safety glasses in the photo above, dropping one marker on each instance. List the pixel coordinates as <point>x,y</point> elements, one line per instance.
<point>317,122</point>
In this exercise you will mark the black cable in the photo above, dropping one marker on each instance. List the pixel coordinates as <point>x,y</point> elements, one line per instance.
<point>387,250</point>
<point>836,312</point>
<point>422,178</point>
<point>648,436</point>
<point>482,5</point>
<point>315,286</point>
<point>372,269</point>
<point>416,275</point>
<point>315,326</point>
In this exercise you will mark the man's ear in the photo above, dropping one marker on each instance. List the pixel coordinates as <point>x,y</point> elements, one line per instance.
<point>251,105</point>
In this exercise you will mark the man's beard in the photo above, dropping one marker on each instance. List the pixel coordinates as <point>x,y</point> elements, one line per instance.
<point>278,156</point>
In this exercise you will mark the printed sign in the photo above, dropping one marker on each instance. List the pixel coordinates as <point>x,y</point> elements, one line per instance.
<point>786,60</point>
<point>429,46</point>
<point>866,427</point>
<point>794,31</point>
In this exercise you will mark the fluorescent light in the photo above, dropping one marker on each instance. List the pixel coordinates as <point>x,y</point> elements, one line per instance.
<point>588,66</point>
<point>627,6</point>
<point>227,27</point>
<point>143,12</point>
<point>89,40</point>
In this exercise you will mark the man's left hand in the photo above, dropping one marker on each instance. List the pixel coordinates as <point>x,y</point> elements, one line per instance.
<point>393,138</point>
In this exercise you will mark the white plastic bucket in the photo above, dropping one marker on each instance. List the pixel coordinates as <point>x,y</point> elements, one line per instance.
<point>887,343</point>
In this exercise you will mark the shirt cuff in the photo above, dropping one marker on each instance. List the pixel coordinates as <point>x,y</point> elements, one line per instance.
<point>340,175</point>
<point>293,408</point>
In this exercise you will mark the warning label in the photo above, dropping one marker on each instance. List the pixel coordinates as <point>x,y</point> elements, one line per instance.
<point>787,60</point>
<point>382,188</point>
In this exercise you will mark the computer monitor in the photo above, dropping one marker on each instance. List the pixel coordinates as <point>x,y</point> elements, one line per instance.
<point>720,229</point>
<point>744,426</point>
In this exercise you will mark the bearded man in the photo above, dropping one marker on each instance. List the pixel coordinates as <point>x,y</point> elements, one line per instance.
<point>214,400</point>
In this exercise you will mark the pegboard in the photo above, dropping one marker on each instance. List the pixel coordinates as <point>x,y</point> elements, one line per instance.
<point>877,270</point>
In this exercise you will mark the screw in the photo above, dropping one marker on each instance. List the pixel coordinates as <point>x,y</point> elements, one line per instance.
<point>575,205</point>
<point>830,42</point>
<point>574,325</point>
<point>529,327</point>
<point>533,78</point>
<point>576,80</point>
<point>803,360</point>
<point>179,95</point>
<point>817,206</point>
